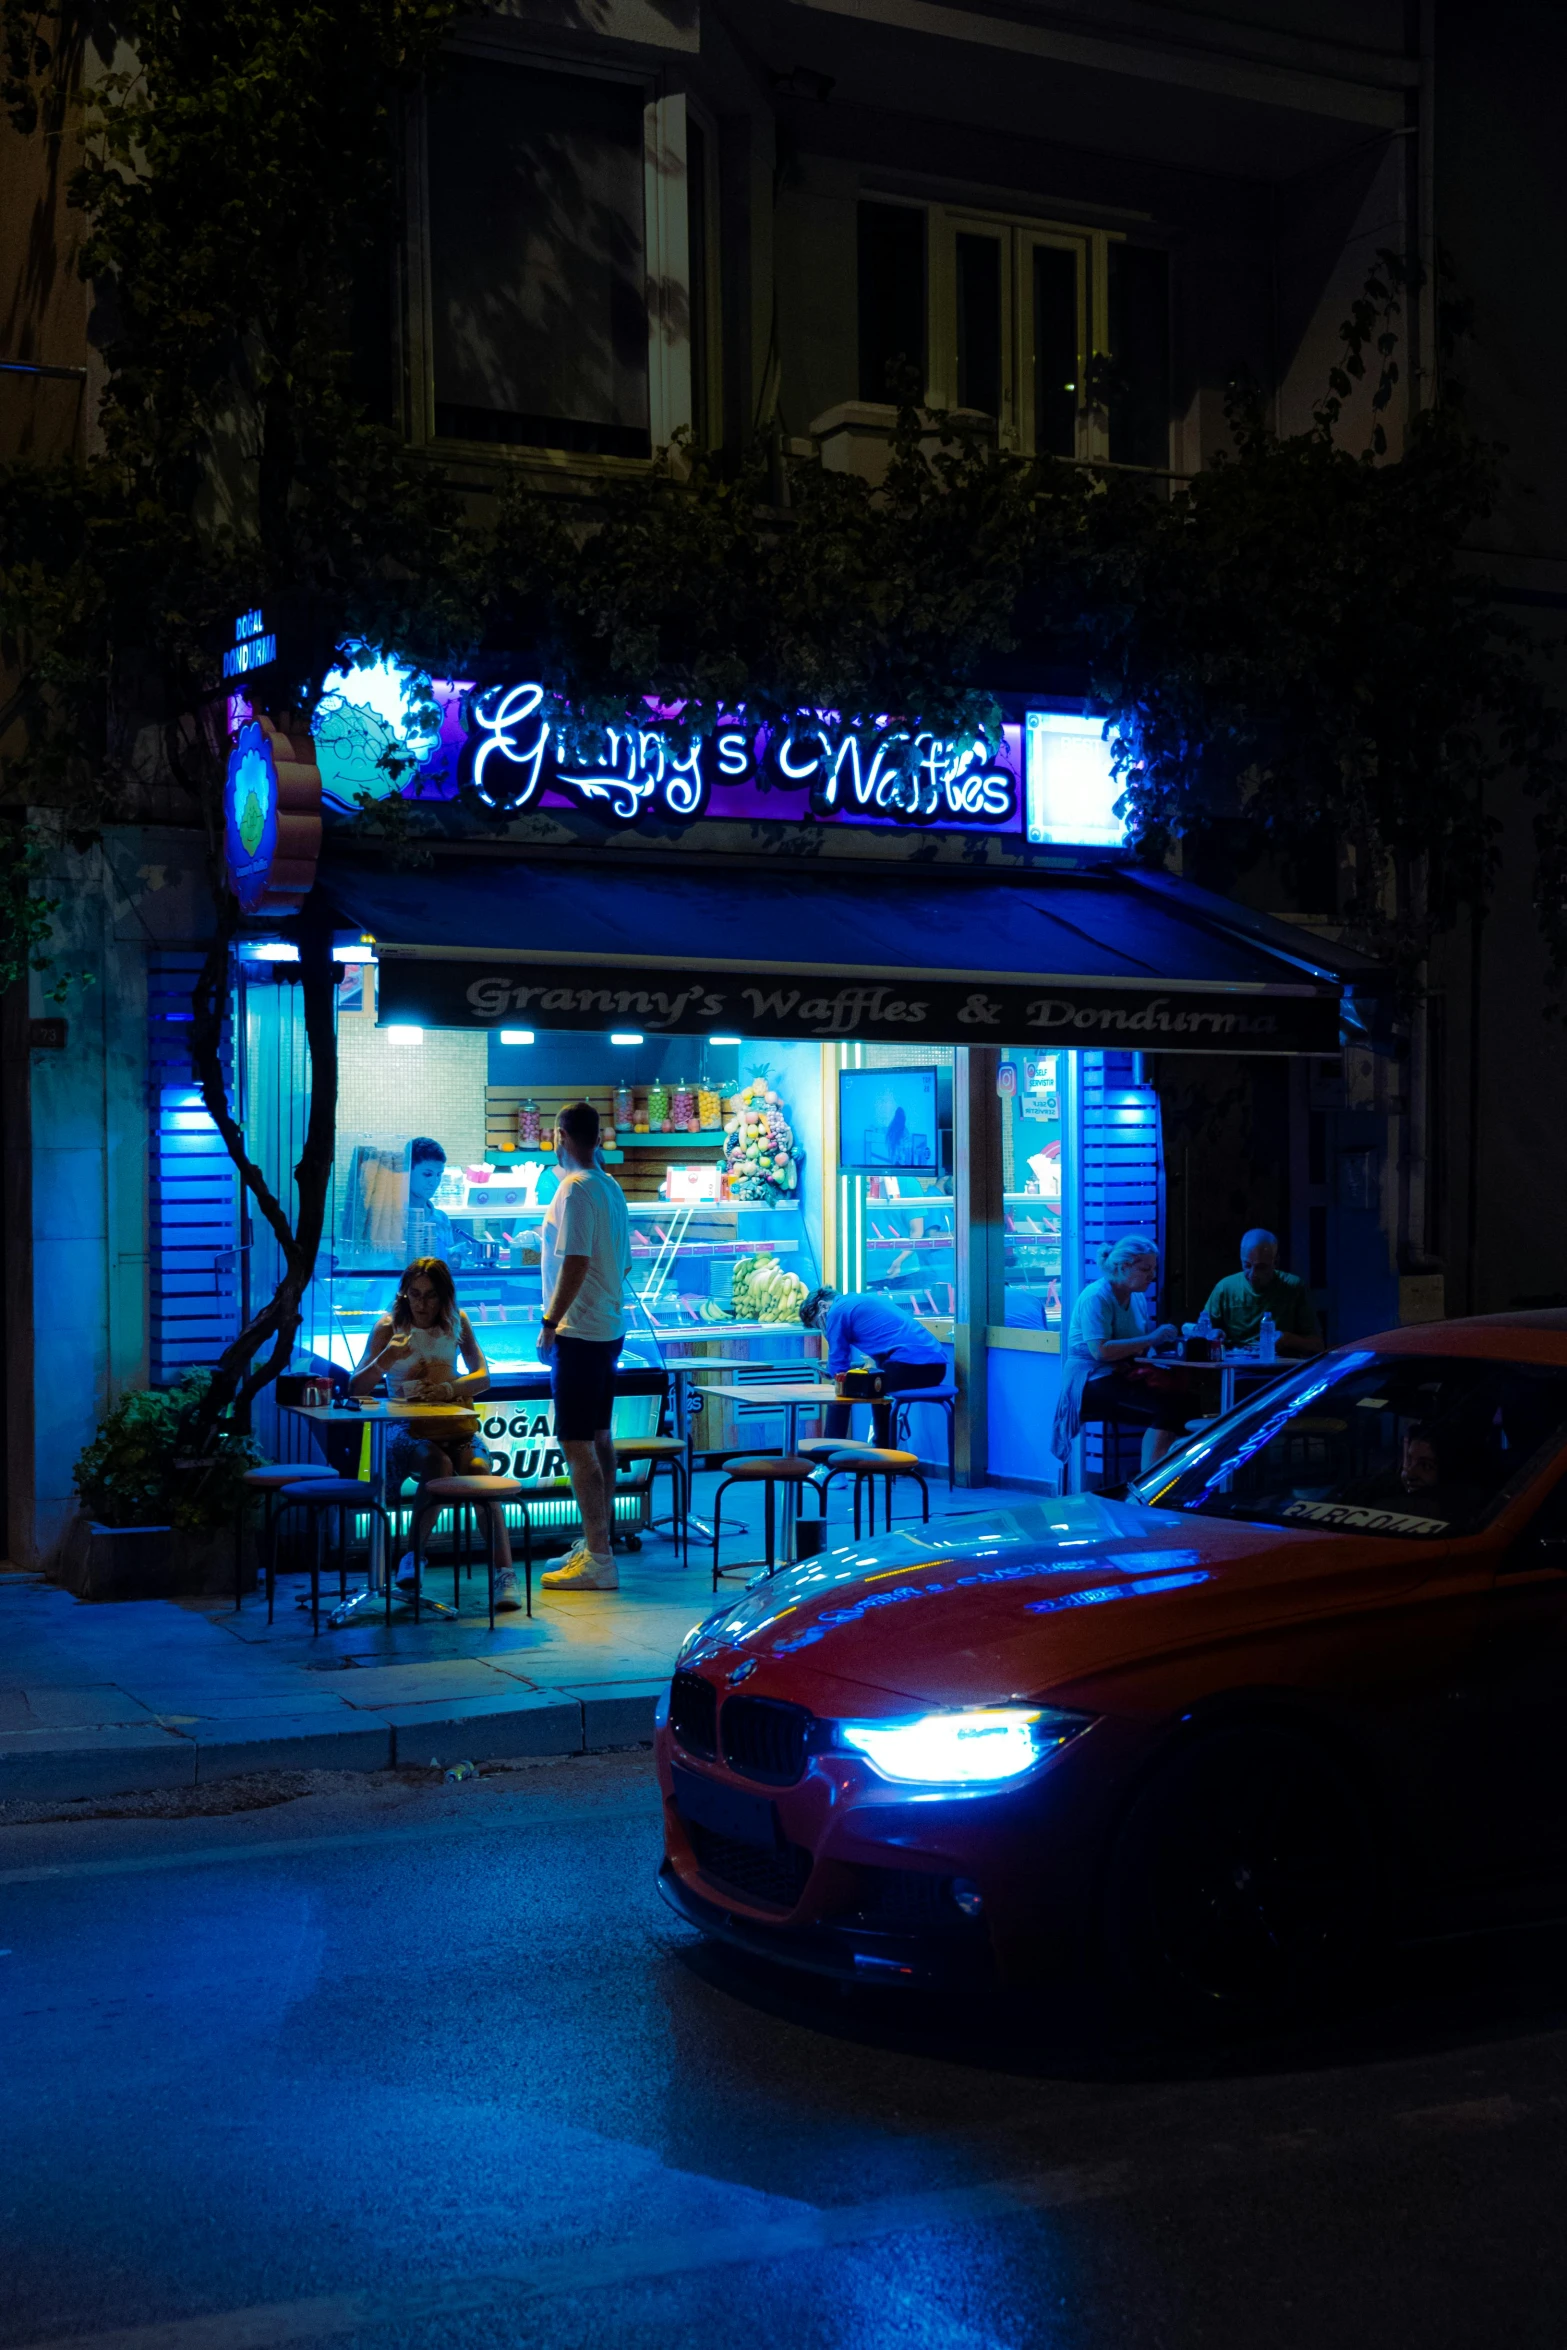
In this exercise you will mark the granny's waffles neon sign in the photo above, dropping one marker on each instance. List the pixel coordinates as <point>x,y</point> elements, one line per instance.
<point>523,740</point>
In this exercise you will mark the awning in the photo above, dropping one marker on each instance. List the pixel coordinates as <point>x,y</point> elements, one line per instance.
<point>869,952</point>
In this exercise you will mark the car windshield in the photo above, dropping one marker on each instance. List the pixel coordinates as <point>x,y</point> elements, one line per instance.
<point>1411,1445</point>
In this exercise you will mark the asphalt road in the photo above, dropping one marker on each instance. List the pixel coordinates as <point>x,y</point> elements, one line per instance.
<point>431,2066</point>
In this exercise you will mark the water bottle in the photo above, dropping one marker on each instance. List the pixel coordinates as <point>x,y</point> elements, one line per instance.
<point>1268,1340</point>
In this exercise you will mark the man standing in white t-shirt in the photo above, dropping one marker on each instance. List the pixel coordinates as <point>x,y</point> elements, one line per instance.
<point>585,1261</point>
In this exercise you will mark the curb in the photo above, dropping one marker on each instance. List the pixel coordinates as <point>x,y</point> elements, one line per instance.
<point>66,1766</point>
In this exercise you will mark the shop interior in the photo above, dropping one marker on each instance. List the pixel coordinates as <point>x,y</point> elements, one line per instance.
<point>753,1172</point>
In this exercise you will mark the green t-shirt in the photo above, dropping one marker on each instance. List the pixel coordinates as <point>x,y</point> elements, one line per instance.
<point>1238,1308</point>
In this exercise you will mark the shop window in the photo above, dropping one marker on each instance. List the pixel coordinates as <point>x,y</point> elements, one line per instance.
<point>1033,1126</point>
<point>1139,373</point>
<point>1061,333</point>
<point>1055,322</point>
<point>702,274</point>
<point>977,278</point>
<point>896,1215</point>
<point>891,298</point>
<point>538,260</point>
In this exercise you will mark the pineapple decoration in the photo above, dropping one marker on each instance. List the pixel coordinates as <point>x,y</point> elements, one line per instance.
<point>759,1153</point>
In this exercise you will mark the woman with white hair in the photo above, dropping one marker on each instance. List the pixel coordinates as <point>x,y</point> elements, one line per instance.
<point>1108,1335</point>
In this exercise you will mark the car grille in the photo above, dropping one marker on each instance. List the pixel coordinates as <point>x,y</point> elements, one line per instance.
<point>765,1739</point>
<point>693,1714</point>
<point>775,1874</point>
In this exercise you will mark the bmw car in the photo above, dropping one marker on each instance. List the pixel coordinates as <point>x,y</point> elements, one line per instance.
<point>1301,1688</point>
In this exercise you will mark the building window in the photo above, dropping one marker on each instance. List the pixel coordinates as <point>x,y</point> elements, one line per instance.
<point>892,297</point>
<point>1060,333</point>
<point>1139,374</point>
<point>568,262</point>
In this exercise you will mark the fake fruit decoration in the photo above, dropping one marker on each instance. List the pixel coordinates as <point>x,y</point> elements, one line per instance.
<point>759,1153</point>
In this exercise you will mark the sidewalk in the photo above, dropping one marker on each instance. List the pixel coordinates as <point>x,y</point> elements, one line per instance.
<point>122,1698</point>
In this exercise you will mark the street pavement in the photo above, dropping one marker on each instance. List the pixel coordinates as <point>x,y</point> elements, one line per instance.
<point>99,1700</point>
<point>410,2064</point>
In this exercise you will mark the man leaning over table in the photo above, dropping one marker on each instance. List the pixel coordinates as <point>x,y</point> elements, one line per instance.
<point>1241,1299</point>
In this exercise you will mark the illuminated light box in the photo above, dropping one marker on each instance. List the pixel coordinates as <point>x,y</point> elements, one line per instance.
<point>1069,784</point>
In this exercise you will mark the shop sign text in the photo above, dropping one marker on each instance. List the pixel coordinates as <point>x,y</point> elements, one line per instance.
<point>927,1009</point>
<point>521,742</point>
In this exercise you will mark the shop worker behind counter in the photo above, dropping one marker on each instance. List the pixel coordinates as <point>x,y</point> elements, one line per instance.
<point>585,1261</point>
<point>1241,1299</point>
<point>894,1341</point>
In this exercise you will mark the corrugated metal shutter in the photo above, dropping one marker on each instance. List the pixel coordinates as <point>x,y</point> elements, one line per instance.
<point>194,1200</point>
<point>1121,1163</point>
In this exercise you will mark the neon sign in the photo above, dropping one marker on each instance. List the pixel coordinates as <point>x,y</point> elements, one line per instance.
<point>523,740</point>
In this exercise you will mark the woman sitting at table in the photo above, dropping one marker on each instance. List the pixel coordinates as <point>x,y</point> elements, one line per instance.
<point>1108,1336</point>
<point>414,1347</point>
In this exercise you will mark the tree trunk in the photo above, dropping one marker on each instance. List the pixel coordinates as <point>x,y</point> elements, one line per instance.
<point>239,1377</point>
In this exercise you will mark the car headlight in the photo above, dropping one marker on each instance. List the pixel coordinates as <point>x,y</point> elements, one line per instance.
<point>981,1747</point>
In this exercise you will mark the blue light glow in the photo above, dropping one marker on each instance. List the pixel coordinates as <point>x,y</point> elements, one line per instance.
<point>1069,780</point>
<point>377,722</point>
<point>982,1747</point>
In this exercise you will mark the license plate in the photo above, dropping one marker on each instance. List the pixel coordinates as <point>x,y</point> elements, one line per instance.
<point>726,1811</point>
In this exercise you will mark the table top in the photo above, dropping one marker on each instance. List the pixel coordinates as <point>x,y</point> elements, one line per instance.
<point>781,1391</point>
<point>734,1363</point>
<point>379,1408</point>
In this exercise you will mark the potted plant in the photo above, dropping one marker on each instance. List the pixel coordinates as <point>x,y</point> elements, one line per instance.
<point>156,1520</point>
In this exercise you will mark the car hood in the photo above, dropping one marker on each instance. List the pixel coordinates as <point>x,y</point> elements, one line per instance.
<point>1026,1599</point>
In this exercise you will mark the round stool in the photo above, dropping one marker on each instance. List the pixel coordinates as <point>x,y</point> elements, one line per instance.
<point>469,1499</point>
<point>864,1467</point>
<point>769,1470</point>
<point>665,1452</point>
<point>350,1499</point>
<point>269,1481</point>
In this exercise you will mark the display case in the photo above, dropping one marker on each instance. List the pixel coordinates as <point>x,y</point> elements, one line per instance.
<point>731,1268</point>
<point>1031,1139</point>
<point>909,1241</point>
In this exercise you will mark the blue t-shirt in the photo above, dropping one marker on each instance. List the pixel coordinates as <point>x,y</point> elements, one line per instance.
<point>869,1325</point>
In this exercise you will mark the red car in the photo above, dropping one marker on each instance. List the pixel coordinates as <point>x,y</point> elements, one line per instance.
<point>1305,1685</point>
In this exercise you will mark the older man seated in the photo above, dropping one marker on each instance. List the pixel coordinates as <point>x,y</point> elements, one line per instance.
<point>1241,1299</point>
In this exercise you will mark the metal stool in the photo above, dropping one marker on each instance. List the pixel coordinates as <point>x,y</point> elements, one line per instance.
<point>665,1452</point>
<point>268,1482</point>
<point>770,1471</point>
<point>945,1398</point>
<point>469,1499</point>
<point>348,1497</point>
<point>864,1467</point>
<point>822,1448</point>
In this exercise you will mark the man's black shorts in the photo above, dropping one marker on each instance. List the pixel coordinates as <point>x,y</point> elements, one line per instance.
<point>582,1379</point>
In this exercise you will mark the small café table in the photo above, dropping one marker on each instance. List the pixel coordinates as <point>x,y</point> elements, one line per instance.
<point>379,1416</point>
<point>530,1384</point>
<point>795,1396</point>
<point>682,1369</point>
<point>1236,1363</point>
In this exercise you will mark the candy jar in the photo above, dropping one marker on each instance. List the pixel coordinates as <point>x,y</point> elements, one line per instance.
<point>709,1107</point>
<point>625,1108</point>
<point>528,1127</point>
<point>682,1109</point>
<point>658,1107</point>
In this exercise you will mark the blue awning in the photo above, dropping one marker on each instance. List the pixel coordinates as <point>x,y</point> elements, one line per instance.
<point>944,954</point>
